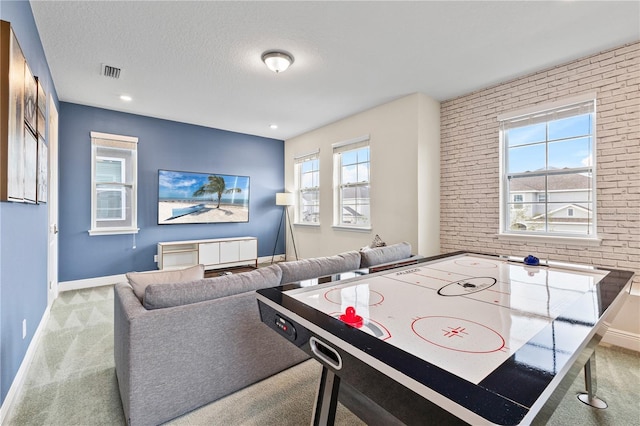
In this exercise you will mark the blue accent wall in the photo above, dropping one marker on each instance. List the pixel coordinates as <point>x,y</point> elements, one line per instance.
<point>23,229</point>
<point>166,145</point>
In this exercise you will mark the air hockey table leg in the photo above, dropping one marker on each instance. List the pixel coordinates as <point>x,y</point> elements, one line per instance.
<point>324,412</point>
<point>590,382</point>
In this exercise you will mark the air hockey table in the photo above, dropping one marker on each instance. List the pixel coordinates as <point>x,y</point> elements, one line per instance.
<point>457,338</point>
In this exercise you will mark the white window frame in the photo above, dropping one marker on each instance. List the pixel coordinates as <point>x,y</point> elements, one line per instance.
<point>121,190</point>
<point>113,226</point>
<point>338,185</point>
<point>539,113</point>
<point>299,161</point>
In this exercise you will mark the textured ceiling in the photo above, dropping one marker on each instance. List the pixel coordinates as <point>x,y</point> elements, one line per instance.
<point>199,62</point>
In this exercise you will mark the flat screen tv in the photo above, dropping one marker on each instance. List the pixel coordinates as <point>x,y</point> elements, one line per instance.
<point>189,197</point>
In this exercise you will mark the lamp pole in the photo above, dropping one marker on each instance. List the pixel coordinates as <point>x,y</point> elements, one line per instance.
<point>285,199</point>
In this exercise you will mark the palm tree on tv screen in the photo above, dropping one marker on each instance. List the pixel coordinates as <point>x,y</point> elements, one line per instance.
<point>215,185</point>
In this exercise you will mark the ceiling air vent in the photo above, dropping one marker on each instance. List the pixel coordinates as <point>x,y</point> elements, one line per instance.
<point>109,71</point>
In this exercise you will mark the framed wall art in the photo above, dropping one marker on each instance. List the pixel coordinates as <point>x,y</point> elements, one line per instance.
<point>12,115</point>
<point>30,167</point>
<point>30,99</point>
<point>43,161</point>
<point>18,122</point>
<point>42,108</point>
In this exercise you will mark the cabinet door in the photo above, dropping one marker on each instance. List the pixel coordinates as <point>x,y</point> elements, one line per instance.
<point>248,249</point>
<point>209,253</point>
<point>229,251</point>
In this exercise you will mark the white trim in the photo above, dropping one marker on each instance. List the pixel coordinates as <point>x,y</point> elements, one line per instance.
<point>622,338</point>
<point>352,228</point>
<point>91,282</point>
<point>539,108</point>
<point>359,139</point>
<point>308,224</point>
<point>21,375</point>
<point>308,154</point>
<point>113,231</point>
<point>572,241</point>
<point>109,136</point>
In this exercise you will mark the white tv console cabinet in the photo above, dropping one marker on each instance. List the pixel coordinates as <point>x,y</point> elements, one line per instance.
<point>213,254</point>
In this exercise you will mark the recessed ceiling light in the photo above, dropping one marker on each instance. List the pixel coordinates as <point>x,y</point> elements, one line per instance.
<point>273,126</point>
<point>125,98</point>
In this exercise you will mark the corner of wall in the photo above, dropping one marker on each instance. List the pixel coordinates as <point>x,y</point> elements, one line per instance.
<point>428,175</point>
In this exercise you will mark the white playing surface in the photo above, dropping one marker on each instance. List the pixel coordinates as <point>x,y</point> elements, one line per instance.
<point>473,325</point>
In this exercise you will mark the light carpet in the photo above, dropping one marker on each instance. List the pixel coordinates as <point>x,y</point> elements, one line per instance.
<point>72,381</point>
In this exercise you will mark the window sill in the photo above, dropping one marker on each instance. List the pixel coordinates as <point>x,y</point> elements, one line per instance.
<point>352,228</point>
<point>312,225</point>
<point>572,241</point>
<point>120,231</point>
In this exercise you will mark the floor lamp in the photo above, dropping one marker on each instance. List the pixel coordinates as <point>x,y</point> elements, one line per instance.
<point>285,199</point>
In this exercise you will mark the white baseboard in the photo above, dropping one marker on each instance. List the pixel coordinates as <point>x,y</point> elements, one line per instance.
<point>622,338</point>
<point>18,381</point>
<point>267,259</point>
<point>90,282</point>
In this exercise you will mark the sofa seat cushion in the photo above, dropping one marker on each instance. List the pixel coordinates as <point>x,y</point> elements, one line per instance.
<point>159,296</point>
<point>306,269</point>
<point>391,253</point>
<point>140,280</point>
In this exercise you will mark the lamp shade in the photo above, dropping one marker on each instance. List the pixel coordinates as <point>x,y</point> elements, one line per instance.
<point>284,199</point>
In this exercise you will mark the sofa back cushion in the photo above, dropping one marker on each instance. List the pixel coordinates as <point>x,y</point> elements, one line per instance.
<point>306,269</point>
<point>140,280</point>
<point>376,256</point>
<point>175,294</point>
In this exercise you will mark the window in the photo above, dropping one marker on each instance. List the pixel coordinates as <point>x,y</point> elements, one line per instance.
<point>517,201</point>
<point>307,172</point>
<point>547,167</point>
<point>114,184</point>
<point>351,184</point>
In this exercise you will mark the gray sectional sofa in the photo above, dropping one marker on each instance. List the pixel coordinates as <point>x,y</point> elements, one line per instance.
<point>183,341</point>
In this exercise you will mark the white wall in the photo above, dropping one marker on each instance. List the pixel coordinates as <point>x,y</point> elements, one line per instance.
<point>405,178</point>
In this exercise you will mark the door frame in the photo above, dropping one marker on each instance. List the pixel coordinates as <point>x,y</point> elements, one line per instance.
<point>52,205</point>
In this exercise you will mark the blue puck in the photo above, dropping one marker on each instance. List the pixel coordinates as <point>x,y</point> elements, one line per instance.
<point>531,261</point>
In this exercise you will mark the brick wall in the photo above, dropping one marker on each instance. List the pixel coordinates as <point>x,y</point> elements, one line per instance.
<point>470,146</point>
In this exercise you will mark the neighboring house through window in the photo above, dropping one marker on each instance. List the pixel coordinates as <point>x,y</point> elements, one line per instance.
<point>307,172</point>
<point>548,170</point>
<point>114,181</point>
<point>351,184</point>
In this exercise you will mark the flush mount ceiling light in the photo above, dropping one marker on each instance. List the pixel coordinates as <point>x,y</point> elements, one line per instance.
<point>277,60</point>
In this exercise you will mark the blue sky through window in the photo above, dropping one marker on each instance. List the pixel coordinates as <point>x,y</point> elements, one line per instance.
<point>528,145</point>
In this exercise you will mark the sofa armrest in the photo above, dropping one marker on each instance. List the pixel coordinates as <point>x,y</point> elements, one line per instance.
<point>173,360</point>
<point>126,308</point>
<point>371,257</point>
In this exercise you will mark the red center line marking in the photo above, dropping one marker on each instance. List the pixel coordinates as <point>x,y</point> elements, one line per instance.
<point>452,332</point>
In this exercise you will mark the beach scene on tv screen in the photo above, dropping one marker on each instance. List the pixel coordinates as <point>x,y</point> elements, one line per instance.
<point>188,197</point>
